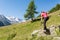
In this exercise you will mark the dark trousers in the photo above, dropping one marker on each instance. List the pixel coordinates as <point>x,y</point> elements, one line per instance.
<point>45,20</point>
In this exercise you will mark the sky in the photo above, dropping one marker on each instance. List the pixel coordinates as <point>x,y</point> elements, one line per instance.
<point>17,8</point>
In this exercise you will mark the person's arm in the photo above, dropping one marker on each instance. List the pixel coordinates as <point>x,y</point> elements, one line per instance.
<point>41,17</point>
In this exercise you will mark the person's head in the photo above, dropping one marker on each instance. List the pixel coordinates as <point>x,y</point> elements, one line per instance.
<point>42,12</point>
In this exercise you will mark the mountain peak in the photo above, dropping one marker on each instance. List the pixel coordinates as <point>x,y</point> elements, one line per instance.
<point>14,19</point>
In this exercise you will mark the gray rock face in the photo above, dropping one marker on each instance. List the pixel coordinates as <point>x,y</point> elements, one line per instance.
<point>40,32</point>
<point>54,30</point>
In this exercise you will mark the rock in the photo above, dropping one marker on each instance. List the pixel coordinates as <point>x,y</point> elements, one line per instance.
<point>56,38</point>
<point>40,32</point>
<point>34,32</point>
<point>52,30</point>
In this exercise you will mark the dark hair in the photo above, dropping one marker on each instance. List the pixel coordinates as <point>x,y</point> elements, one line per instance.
<point>43,12</point>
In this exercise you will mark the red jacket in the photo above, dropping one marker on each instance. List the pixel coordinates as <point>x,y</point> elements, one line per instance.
<point>44,14</point>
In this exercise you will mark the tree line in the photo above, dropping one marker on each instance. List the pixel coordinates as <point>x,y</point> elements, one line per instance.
<point>57,7</point>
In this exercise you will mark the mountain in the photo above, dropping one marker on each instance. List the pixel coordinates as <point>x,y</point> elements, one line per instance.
<point>4,21</point>
<point>8,20</point>
<point>14,19</point>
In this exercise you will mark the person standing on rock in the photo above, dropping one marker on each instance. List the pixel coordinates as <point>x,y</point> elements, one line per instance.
<point>44,15</point>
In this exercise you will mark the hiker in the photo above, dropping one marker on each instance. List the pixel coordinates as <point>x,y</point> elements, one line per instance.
<point>44,15</point>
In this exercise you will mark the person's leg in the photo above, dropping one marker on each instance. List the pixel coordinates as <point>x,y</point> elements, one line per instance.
<point>45,20</point>
<point>47,31</point>
<point>44,23</point>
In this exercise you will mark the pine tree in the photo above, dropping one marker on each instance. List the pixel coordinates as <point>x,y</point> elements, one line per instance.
<point>31,11</point>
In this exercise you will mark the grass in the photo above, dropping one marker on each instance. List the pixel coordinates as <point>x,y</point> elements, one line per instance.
<point>22,31</point>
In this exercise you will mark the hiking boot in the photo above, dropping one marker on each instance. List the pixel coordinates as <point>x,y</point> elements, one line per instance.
<point>47,31</point>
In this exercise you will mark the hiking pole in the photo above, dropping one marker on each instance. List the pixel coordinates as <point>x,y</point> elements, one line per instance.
<point>41,21</point>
